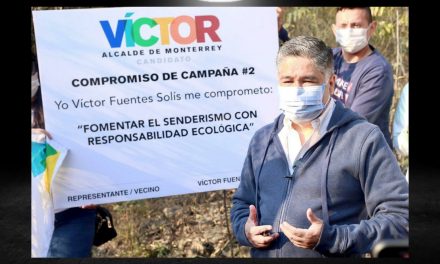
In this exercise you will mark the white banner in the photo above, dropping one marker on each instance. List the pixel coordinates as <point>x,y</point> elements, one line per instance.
<point>154,102</point>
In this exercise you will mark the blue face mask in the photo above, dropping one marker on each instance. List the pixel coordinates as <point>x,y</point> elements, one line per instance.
<point>301,105</point>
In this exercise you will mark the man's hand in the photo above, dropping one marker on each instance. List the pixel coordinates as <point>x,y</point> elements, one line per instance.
<point>304,238</point>
<point>280,17</point>
<point>41,131</point>
<point>257,234</point>
<point>89,206</point>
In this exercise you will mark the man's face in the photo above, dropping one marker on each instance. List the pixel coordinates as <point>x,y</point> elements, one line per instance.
<point>301,72</point>
<point>352,18</point>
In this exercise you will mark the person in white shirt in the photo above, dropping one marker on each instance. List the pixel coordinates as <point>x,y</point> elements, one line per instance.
<point>400,126</point>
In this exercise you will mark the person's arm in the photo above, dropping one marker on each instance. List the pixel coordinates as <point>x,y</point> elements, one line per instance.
<point>242,199</point>
<point>244,216</point>
<point>41,131</point>
<point>374,94</point>
<point>400,124</point>
<point>283,35</point>
<point>282,32</point>
<point>386,197</point>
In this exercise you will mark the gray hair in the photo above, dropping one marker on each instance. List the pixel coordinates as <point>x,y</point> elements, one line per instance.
<point>311,48</point>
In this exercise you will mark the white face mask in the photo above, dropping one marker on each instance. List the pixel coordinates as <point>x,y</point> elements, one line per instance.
<point>301,105</point>
<point>35,84</point>
<point>352,40</point>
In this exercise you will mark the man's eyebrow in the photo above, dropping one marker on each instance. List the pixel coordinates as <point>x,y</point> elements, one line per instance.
<point>310,77</point>
<point>306,77</point>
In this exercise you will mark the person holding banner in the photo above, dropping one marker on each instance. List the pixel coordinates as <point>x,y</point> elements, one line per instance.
<point>320,180</point>
<point>74,228</point>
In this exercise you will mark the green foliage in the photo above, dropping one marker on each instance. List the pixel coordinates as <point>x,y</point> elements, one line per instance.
<point>310,21</point>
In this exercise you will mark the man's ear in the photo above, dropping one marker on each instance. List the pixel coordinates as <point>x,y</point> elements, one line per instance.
<point>334,29</point>
<point>331,83</point>
<point>372,29</point>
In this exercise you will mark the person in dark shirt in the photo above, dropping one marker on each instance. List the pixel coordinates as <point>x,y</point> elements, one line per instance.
<point>320,180</point>
<point>364,78</point>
